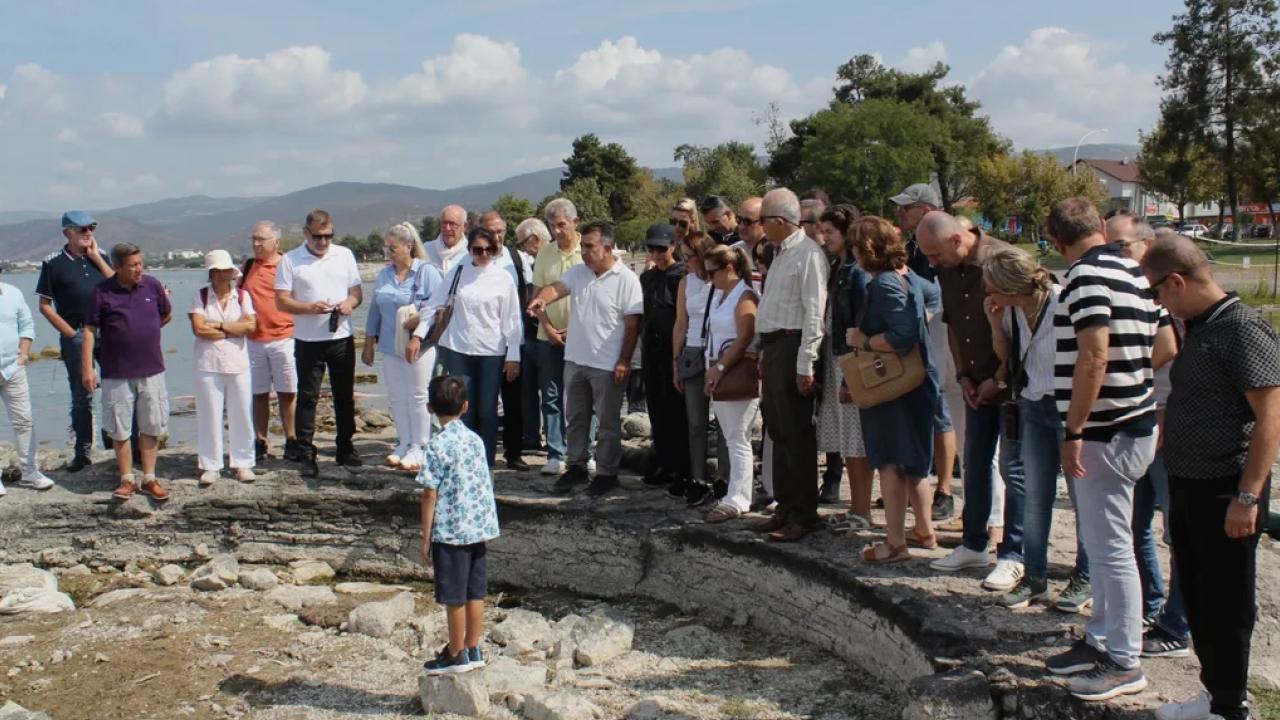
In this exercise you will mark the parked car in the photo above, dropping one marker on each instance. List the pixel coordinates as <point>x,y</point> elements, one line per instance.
<point>1262,231</point>
<point>1193,230</point>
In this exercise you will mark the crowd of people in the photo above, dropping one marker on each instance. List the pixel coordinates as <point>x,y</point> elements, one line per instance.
<point>1134,377</point>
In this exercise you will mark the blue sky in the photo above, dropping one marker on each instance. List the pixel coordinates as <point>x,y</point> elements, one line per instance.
<point>103,104</point>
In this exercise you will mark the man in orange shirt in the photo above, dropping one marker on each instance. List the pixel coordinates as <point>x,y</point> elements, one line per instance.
<point>271,364</point>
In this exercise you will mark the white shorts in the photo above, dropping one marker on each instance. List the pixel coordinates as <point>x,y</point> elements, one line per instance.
<point>271,367</point>
<point>121,396</point>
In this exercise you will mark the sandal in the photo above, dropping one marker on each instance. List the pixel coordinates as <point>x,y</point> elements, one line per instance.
<point>722,512</point>
<point>924,542</point>
<point>884,554</point>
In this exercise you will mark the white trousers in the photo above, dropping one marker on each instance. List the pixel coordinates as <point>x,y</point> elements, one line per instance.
<point>735,418</point>
<point>407,394</point>
<point>17,403</point>
<point>214,392</point>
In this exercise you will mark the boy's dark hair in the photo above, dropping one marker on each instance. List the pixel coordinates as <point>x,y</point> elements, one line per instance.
<point>448,393</point>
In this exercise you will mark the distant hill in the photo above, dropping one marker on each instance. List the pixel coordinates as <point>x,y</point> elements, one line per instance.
<point>200,221</point>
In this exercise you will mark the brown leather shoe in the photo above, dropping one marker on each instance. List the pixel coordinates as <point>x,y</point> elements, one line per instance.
<point>793,532</point>
<point>125,491</point>
<point>155,490</point>
<point>772,524</point>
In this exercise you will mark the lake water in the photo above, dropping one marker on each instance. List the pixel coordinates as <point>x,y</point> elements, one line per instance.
<point>51,398</point>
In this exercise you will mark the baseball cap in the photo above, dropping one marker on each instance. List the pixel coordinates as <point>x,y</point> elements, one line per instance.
<point>77,219</point>
<point>919,193</point>
<point>661,235</point>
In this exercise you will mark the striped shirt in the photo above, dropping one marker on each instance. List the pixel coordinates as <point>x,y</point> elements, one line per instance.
<point>1037,351</point>
<point>795,297</point>
<point>1104,288</point>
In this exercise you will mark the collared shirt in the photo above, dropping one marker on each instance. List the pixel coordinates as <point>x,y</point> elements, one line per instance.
<point>597,321</point>
<point>457,469</point>
<point>486,313</point>
<point>443,256</point>
<point>1229,349</point>
<point>963,295</point>
<point>389,295</point>
<point>309,279</point>
<point>69,281</point>
<point>260,283</point>
<point>550,266</point>
<point>15,323</point>
<point>230,354</point>
<point>795,298</point>
<point>516,269</point>
<point>1037,351</point>
<point>129,322</point>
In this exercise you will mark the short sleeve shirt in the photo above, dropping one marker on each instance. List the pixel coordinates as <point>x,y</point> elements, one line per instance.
<point>129,322</point>
<point>547,270</point>
<point>230,354</point>
<point>311,279</point>
<point>457,470</point>
<point>260,283</point>
<point>597,321</point>
<point>69,282</point>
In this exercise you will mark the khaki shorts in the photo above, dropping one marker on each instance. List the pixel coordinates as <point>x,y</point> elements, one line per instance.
<point>121,396</point>
<point>272,367</point>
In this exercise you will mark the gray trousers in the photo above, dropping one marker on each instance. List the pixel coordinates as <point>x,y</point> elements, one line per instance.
<point>1104,514</point>
<point>17,403</point>
<point>697,408</point>
<point>590,392</point>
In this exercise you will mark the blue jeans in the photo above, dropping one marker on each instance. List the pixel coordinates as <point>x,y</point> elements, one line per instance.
<point>483,376</point>
<point>81,399</point>
<point>981,437</point>
<point>551,383</point>
<point>531,387</point>
<point>1151,492</point>
<point>1041,429</point>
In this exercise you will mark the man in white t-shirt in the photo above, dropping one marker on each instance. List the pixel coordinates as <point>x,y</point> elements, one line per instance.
<point>319,283</point>
<point>604,324</point>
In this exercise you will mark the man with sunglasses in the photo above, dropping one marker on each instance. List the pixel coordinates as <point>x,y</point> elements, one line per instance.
<point>67,281</point>
<point>721,223</point>
<point>660,285</point>
<point>750,230</point>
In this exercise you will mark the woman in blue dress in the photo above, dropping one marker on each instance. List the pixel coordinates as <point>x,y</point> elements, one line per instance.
<point>898,433</point>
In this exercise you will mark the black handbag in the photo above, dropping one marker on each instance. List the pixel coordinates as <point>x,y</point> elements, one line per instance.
<point>693,360</point>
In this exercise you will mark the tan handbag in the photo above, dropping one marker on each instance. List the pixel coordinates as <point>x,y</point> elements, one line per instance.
<point>874,378</point>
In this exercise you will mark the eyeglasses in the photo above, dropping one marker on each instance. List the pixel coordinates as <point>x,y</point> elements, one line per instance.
<point>480,250</point>
<point>714,270</point>
<point>682,224</point>
<point>86,229</point>
<point>321,236</point>
<point>656,248</point>
<point>775,217</point>
<point>747,222</point>
<point>260,239</point>
<point>450,223</point>
<point>1155,285</point>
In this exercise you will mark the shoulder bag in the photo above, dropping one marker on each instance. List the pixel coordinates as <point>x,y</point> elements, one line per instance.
<point>405,312</point>
<point>445,313</point>
<point>874,378</point>
<point>693,360</point>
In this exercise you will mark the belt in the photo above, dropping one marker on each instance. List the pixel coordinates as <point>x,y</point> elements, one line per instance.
<point>777,334</point>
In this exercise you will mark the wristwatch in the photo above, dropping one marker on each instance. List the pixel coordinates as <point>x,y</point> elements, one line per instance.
<point>720,367</point>
<point>1070,436</point>
<point>1246,498</point>
<point>1002,384</point>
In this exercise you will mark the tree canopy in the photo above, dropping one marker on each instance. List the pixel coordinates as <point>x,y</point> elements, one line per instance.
<point>609,166</point>
<point>729,169</point>
<point>1027,186</point>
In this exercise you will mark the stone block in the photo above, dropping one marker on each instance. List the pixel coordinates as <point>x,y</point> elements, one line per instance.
<point>462,694</point>
<point>559,706</point>
<point>522,631</point>
<point>601,637</point>
<point>954,695</point>
<point>259,579</point>
<point>296,597</point>
<point>379,619</point>
<point>219,573</point>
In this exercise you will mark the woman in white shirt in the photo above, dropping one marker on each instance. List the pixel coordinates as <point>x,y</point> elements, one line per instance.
<point>222,317</point>
<point>481,343</point>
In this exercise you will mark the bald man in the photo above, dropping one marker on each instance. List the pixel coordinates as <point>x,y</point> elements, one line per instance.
<point>448,249</point>
<point>750,230</point>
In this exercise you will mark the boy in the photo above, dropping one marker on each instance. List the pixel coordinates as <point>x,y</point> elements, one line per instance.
<point>458,517</point>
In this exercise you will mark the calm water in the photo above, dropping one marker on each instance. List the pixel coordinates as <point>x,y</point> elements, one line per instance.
<point>50,397</point>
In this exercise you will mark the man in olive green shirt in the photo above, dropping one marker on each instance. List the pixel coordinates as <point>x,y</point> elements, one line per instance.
<point>553,260</point>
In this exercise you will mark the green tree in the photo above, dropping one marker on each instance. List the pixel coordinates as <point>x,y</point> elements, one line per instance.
<point>513,210</point>
<point>1027,186</point>
<point>1262,148</point>
<point>1221,53</point>
<point>651,202</point>
<point>729,169</point>
<point>429,228</point>
<point>587,198</point>
<point>609,166</point>
<point>1180,168</point>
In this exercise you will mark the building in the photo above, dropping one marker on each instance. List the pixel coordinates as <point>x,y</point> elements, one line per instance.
<point>1124,186</point>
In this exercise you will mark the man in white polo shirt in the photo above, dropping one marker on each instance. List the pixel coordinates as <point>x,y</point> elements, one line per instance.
<point>604,323</point>
<point>319,283</point>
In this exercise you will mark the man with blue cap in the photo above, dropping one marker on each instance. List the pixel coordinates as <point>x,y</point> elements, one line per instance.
<point>67,281</point>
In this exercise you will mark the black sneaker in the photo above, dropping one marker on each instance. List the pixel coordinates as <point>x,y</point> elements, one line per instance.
<point>349,459</point>
<point>1077,596</point>
<point>260,450</point>
<point>444,664</point>
<point>575,475</point>
<point>516,463</point>
<point>1024,593</point>
<point>1157,643</point>
<point>698,493</point>
<point>476,656</point>
<point>944,507</point>
<point>658,479</point>
<point>680,488</point>
<point>292,451</point>
<point>830,493</point>
<point>310,468</point>
<point>78,463</point>
<point>1081,657</point>
<point>602,484</point>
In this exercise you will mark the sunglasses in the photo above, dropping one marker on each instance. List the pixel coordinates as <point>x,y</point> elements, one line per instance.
<point>86,229</point>
<point>747,222</point>
<point>682,224</point>
<point>321,236</point>
<point>714,270</point>
<point>480,250</point>
<point>1156,285</point>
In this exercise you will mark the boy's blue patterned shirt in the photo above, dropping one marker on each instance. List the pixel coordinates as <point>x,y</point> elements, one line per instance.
<point>457,469</point>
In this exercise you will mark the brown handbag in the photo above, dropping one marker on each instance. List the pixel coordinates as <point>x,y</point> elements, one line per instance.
<point>874,378</point>
<point>445,313</point>
<point>740,381</point>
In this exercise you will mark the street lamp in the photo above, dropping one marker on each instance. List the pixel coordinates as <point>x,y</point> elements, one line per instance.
<point>1076,155</point>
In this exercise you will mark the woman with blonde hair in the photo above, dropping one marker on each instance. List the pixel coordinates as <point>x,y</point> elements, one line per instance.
<point>407,280</point>
<point>684,217</point>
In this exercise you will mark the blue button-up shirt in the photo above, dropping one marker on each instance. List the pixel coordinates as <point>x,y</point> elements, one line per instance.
<point>15,323</point>
<point>457,468</point>
<point>389,295</point>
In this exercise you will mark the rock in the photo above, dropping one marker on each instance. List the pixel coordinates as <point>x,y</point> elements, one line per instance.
<point>16,640</point>
<point>379,619</point>
<point>657,708</point>
<point>200,551</point>
<point>138,507</point>
<point>741,618</point>
<point>562,643</point>
<point>14,711</point>
<point>25,576</point>
<point>77,570</point>
<point>169,575</point>
<point>506,676</point>
<point>559,706</point>
<point>954,695</point>
<point>636,426</point>
<point>259,579</point>
<point>522,631</point>
<point>60,656</point>
<point>601,637</point>
<point>35,600</point>
<point>462,694</point>
<point>115,596</point>
<point>296,597</point>
<point>693,640</point>
<point>375,419</point>
<point>325,616</point>
<point>282,622</point>
<point>101,658</point>
<point>367,588</point>
<point>219,573</point>
<point>59,557</point>
<point>306,572</point>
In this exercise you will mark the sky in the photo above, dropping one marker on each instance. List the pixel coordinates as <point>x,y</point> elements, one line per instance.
<point>108,104</point>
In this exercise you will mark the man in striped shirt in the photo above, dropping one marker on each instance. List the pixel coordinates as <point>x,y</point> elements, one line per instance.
<point>1110,336</point>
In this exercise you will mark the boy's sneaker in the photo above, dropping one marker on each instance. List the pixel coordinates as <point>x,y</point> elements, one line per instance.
<point>1005,576</point>
<point>35,480</point>
<point>476,657</point>
<point>1080,657</point>
<point>1157,643</point>
<point>1024,593</point>
<point>1197,708</point>
<point>575,475</point>
<point>961,558</point>
<point>292,451</point>
<point>1108,680</point>
<point>443,664</point>
<point>1077,596</point>
<point>944,506</point>
<point>602,484</point>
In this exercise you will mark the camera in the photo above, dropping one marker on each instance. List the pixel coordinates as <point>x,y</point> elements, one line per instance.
<point>1010,418</point>
<point>335,318</point>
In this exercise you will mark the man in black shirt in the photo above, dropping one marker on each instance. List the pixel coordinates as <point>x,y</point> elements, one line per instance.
<point>660,285</point>
<point>1221,433</point>
<point>67,280</point>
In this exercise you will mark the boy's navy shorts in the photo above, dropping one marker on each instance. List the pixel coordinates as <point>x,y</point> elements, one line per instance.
<point>461,572</point>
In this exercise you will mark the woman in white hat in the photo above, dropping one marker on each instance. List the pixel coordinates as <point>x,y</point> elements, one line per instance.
<point>222,317</point>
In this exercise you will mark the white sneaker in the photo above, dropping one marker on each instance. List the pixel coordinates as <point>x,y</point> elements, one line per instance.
<point>35,480</point>
<point>1005,577</point>
<point>591,466</point>
<point>1197,708</point>
<point>2,490</point>
<point>554,466</point>
<point>209,477</point>
<point>245,475</point>
<point>961,558</point>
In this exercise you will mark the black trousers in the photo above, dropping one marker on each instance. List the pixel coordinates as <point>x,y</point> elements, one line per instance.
<point>312,358</point>
<point>1218,577</point>
<point>667,415</point>
<point>788,416</point>
<point>513,416</point>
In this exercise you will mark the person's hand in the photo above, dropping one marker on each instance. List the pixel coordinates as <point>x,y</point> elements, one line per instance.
<point>367,356</point>
<point>90,379</point>
<point>412,349</point>
<point>621,371</point>
<point>969,392</point>
<point>844,396</point>
<point>557,337</point>
<point>675,376</point>
<point>345,307</point>
<point>93,246</point>
<point>411,323</point>
<point>424,552</point>
<point>511,370</point>
<point>987,391</point>
<point>537,306</point>
<point>23,359</point>
<point>990,306</point>
<point>319,307</point>
<point>854,338</point>
<point>712,379</point>
<point>1241,520</point>
<point>1071,466</point>
<point>804,383</point>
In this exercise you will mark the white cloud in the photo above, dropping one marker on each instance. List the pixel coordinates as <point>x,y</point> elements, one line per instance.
<point>32,91</point>
<point>477,67</point>
<point>1055,86</point>
<point>70,166</point>
<point>920,59</point>
<point>3,89</point>
<point>596,68</point>
<point>120,125</point>
<point>69,136</point>
<point>294,84</point>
